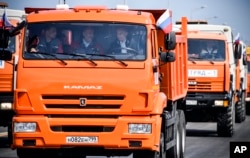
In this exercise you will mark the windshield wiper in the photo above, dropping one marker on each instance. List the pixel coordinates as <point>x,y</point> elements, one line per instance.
<point>49,54</point>
<point>109,56</point>
<point>81,55</point>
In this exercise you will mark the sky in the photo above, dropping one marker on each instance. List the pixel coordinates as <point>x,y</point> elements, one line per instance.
<point>234,13</point>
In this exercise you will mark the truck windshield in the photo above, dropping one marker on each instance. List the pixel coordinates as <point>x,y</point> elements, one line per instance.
<point>118,41</point>
<point>206,49</point>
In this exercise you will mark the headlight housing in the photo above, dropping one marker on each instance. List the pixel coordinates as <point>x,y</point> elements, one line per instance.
<point>24,127</point>
<point>139,128</point>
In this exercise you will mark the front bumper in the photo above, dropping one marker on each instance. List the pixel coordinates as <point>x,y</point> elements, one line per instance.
<point>50,132</point>
<point>206,100</point>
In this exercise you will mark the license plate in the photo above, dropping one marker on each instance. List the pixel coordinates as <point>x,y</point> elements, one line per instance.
<point>77,139</point>
<point>191,102</point>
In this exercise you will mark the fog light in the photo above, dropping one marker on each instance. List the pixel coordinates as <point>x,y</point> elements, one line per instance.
<point>6,106</point>
<point>25,127</point>
<point>134,128</point>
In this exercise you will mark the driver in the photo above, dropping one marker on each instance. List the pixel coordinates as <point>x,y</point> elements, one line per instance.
<point>122,44</point>
<point>87,43</point>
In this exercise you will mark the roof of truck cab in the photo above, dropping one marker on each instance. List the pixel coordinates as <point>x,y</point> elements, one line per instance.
<point>90,14</point>
<point>205,35</point>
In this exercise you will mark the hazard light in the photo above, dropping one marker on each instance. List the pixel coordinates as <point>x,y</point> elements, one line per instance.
<point>62,6</point>
<point>121,7</point>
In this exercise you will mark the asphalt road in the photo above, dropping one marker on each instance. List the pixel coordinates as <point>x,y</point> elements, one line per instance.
<point>202,141</point>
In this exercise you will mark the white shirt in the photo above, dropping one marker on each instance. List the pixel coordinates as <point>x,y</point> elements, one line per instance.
<point>123,45</point>
<point>86,44</point>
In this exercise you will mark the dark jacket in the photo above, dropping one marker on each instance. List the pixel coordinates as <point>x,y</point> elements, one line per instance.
<point>91,48</point>
<point>115,47</point>
<point>54,46</point>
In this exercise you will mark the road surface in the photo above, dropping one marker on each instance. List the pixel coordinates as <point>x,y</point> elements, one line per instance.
<point>202,141</point>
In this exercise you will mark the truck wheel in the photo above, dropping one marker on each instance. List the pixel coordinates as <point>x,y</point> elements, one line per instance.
<point>152,154</point>
<point>240,110</point>
<point>225,124</point>
<point>182,127</point>
<point>175,151</point>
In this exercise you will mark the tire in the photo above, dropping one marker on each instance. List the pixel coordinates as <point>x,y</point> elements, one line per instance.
<point>182,127</point>
<point>174,152</point>
<point>225,123</point>
<point>240,110</point>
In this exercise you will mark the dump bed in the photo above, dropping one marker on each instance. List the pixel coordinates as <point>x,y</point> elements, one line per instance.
<point>174,75</point>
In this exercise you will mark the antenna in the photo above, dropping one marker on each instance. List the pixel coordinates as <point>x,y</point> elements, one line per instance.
<point>125,2</point>
<point>59,1</point>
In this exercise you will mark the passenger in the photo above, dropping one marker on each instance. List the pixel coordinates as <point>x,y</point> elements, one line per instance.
<point>87,45</point>
<point>123,44</point>
<point>210,49</point>
<point>48,43</point>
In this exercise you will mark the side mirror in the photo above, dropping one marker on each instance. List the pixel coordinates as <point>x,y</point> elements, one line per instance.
<point>16,30</point>
<point>4,38</point>
<point>5,55</point>
<point>167,57</point>
<point>237,51</point>
<point>170,41</point>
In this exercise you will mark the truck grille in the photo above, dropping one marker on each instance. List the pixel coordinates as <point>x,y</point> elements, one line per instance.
<point>82,128</point>
<point>73,102</point>
<point>199,85</point>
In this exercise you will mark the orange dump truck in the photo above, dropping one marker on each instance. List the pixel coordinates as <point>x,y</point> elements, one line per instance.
<point>8,73</point>
<point>101,103</point>
<point>211,76</point>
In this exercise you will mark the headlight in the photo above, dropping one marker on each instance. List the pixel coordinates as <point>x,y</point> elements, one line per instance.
<point>221,103</point>
<point>25,127</point>
<point>134,128</point>
<point>6,106</point>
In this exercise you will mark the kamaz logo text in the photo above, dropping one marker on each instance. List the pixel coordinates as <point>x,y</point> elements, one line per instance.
<point>83,87</point>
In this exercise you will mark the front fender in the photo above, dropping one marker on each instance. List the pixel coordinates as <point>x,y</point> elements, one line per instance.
<point>160,102</point>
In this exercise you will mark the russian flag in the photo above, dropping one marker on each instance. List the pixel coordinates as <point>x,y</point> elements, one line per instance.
<point>237,38</point>
<point>165,22</point>
<point>5,22</point>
